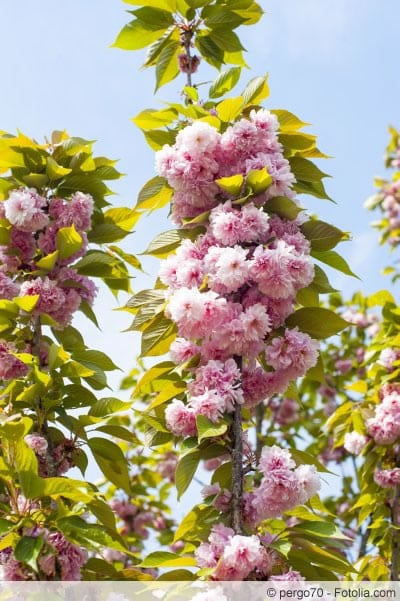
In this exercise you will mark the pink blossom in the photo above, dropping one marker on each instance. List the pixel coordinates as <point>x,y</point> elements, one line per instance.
<point>343,366</point>
<point>182,350</point>
<point>23,243</point>
<point>123,508</point>
<point>227,268</point>
<point>180,419</point>
<point>290,576</point>
<point>384,427</point>
<point>23,209</point>
<point>274,458</point>
<point>354,442</point>
<point>295,351</point>
<point>209,404</point>
<point>285,411</point>
<point>77,211</point>
<point>51,297</point>
<point>10,366</point>
<point>8,288</point>
<point>37,443</point>
<point>197,314</point>
<point>387,478</point>
<point>69,279</point>
<point>70,557</point>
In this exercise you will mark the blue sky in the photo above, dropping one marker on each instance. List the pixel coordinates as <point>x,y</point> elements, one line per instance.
<point>332,62</point>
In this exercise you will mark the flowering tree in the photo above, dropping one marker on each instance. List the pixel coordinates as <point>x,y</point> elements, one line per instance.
<point>55,220</point>
<point>236,301</point>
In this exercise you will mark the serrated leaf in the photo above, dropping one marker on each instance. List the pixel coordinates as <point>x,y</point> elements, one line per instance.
<point>136,35</point>
<point>283,207</point>
<point>259,180</point>
<point>54,170</point>
<point>167,67</point>
<point>27,550</point>
<point>69,241</point>
<point>319,323</point>
<point>225,82</point>
<point>208,429</point>
<point>255,91</point>
<point>111,461</point>
<point>288,122</point>
<point>232,184</point>
<point>27,303</point>
<point>166,559</point>
<point>323,236</point>
<point>185,470</point>
<point>48,262</point>
<point>229,109</point>
<point>333,259</point>
<point>155,194</point>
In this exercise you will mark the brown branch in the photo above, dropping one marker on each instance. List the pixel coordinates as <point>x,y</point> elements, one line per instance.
<point>237,464</point>
<point>260,410</point>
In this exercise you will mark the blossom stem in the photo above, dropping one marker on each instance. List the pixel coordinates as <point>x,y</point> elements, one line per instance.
<point>237,464</point>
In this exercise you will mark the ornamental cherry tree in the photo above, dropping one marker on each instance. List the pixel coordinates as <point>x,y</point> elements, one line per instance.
<point>57,230</point>
<point>236,301</point>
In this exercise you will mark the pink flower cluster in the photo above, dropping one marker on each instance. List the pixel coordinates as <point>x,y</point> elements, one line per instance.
<point>233,557</point>
<point>354,442</point>
<point>233,286</point>
<point>59,560</point>
<point>283,486</point>
<point>10,366</point>
<point>135,520</point>
<point>387,478</point>
<point>55,462</point>
<point>201,155</point>
<point>384,426</point>
<point>34,223</point>
<point>389,197</point>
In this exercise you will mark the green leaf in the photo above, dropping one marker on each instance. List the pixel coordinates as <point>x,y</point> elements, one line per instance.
<point>225,82</point>
<point>259,180</point>
<point>154,50</point>
<point>288,122</point>
<point>111,461</point>
<point>151,119</point>
<point>185,470</point>
<point>323,236</point>
<point>136,35</point>
<point>166,559</point>
<point>283,207</point>
<point>209,50</point>
<point>108,406</point>
<point>154,195</point>
<point>168,392</point>
<point>305,170</point>
<point>208,429</point>
<point>27,303</point>
<point>380,298</point>
<point>168,241</point>
<point>158,336</point>
<point>27,550</point>
<point>55,171</point>
<point>97,358</point>
<point>333,259</point>
<point>232,184</point>
<point>297,141</point>
<point>317,322</point>
<point>229,109</point>
<point>167,67</point>
<point>255,91</point>
<point>225,39</point>
<point>69,241</point>
<point>154,17</point>
<point>48,262</point>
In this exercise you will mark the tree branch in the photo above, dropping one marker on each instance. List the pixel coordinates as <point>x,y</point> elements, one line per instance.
<point>237,464</point>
